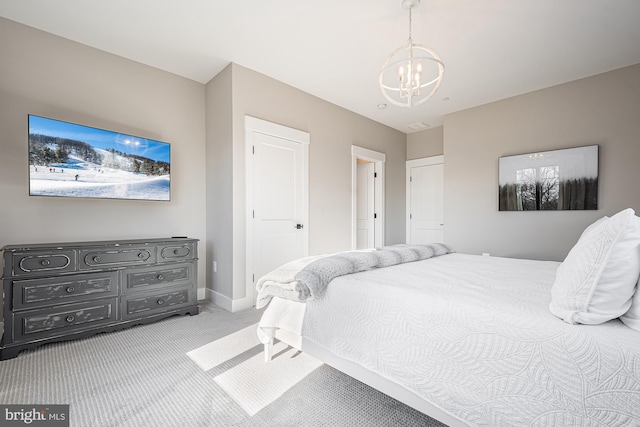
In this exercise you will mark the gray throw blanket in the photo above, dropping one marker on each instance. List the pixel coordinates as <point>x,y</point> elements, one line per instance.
<point>308,277</point>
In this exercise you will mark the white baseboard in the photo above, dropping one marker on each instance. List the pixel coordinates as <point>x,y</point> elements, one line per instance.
<point>227,303</point>
<point>202,294</point>
<point>242,304</point>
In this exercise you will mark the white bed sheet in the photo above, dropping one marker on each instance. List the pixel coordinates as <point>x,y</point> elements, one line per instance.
<point>474,336</point>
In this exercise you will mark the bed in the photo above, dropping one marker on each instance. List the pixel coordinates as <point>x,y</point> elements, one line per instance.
<point>469,340</point>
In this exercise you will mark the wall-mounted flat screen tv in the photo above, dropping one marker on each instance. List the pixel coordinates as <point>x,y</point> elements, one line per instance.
<point>72,160</point>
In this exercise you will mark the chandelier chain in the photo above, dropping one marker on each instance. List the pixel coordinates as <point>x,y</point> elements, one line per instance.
<point>410,25</point>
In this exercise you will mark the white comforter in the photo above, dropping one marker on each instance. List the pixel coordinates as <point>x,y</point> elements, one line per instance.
<point>473,335</point>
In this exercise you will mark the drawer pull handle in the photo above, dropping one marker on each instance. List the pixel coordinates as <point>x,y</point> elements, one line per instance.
<point>70,318</point>
<point>141,255</point>
<point>70,289</point>
<point>176,251</point>
<point>160,277</point>
<point>45,262</point>
<point>96,259</point>
<point>160,301</point>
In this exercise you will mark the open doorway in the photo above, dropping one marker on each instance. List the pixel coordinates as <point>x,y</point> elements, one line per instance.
<point>367,198</point>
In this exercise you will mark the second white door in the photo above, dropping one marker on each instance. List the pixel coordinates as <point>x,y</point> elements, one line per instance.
<point>425,200</point>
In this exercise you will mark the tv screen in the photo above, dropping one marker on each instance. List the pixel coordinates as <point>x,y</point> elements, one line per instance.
<point>72,160</point>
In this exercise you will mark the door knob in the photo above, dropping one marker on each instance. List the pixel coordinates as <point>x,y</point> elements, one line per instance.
<point>298,226</point>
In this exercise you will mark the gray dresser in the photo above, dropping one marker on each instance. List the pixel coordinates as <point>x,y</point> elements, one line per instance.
<point>68,291</point>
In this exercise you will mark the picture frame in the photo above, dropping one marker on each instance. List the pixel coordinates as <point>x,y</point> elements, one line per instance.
<point>564,179</point>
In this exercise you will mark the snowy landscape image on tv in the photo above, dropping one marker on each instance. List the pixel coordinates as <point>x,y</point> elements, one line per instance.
<point>72,160</point>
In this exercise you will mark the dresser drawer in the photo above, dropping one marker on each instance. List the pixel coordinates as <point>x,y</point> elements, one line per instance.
<point>136,306</point>
<point>62,320</point>
<point>143,279</point>
<point>30,293</point>
<point>177,251</point>
<point>117,257</point>
<point>32,263</point>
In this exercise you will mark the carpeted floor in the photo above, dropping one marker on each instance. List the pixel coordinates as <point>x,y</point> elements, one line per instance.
<point>203,370</point>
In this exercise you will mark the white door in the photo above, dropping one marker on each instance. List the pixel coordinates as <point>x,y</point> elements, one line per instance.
<point>277,229</point>
<point>365,211</point>
<point>425,200</point>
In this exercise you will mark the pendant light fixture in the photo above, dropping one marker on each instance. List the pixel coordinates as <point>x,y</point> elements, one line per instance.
<point>412,73</point>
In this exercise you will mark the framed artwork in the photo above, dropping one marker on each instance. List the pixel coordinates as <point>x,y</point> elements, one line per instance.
<point>549,180</point>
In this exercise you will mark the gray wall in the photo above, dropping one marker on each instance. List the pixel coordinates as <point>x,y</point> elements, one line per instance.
<point>333,130</point>
<point>426,143</point>
<point>50,76</point>
<point>219,181</point>
<point>601,110</point>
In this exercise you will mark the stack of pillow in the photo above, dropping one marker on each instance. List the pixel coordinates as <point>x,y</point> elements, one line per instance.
<point>597,281</point>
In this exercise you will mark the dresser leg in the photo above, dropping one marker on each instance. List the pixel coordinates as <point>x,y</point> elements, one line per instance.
<point>9,353</point>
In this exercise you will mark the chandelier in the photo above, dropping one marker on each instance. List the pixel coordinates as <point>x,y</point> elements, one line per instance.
<point>412,73</point>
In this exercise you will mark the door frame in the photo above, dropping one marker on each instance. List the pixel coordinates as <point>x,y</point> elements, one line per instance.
<point>425,161</point>
<point>378,159</point>
<point>255,125</point>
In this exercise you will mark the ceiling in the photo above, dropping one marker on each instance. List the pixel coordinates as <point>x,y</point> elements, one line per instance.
<point>333,49</point>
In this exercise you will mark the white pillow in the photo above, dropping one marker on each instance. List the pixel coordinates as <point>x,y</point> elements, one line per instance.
<point>594,225</point>
<point>596,281</point>
<point>632,317</point>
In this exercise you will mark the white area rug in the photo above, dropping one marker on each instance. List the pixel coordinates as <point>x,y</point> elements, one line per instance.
<point>219,351</point>
<point>255,384</point>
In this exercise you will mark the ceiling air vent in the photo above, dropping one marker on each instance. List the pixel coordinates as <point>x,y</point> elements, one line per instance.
<point>418,126</point>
